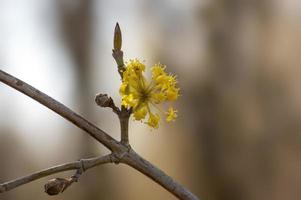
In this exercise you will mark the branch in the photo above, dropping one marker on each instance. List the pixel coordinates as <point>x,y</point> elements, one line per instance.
<point>121,152</point>
<point>60,109</point>
<point>83,165</point>
<point>145,167</point>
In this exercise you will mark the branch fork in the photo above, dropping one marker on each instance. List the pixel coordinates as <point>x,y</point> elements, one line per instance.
<point>121,152</point>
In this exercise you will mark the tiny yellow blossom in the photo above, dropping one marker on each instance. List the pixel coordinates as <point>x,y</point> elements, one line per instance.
<point>153,120</point>
<point>140,113</point>
<point>171,114</point>
<point>122,89</point>
<point>158,70</point>
<point>172,94</point>
<point>141,96</point>
<point>128,100</point>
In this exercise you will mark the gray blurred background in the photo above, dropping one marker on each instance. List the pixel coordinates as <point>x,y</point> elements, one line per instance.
<point>238,63</point>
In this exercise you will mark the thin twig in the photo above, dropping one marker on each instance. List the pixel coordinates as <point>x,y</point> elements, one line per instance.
<point>121,152</point>
<point>124,114</point>
<point>83,165</point>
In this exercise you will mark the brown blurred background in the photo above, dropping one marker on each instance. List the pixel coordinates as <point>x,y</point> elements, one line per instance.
<point>238,63</point>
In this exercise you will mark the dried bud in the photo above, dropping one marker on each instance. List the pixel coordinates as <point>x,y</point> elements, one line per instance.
<point>56,186</point>
<point>103,100</point>
<point>117,38</point>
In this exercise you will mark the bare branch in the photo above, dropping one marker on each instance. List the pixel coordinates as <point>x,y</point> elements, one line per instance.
<point>145,167</point>
<point>60,109</point>
<point>83,164</point>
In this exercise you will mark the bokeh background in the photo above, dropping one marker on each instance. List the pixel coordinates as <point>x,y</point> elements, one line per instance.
<point>238,64</point>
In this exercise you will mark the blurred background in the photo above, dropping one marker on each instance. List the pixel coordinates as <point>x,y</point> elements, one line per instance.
<point>238,64</point>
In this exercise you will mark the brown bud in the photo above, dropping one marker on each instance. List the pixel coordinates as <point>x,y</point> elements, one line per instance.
<point>117,38</point>
<point>103,100</point>
<point>56,186</point>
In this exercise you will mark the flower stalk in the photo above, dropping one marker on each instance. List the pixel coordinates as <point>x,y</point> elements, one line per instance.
<point>124,117</point>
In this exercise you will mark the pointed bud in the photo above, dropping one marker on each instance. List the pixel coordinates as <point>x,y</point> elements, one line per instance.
<point>117,37</point>
<point>56,186</point>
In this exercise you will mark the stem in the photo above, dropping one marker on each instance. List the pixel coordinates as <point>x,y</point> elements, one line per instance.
<point>118,56</point>
<point>83,163</point>
<point>124,125</point>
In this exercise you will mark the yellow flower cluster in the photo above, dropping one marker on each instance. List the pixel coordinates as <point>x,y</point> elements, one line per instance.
<point>140,95</point>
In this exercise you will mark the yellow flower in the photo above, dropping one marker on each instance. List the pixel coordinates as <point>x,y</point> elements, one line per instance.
<point>172,94</point>
<point>158,70</point>
<point>128,100</point>
<point>123,88</point>
<point>142,96</point>
<point>140,113</point>
<point>153,120</point>
<point>171,114</point>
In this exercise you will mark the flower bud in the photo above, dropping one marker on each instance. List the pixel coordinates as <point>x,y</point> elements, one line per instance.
<point>103,100</point>
<point>117,38</point>
<point>56,186</point>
